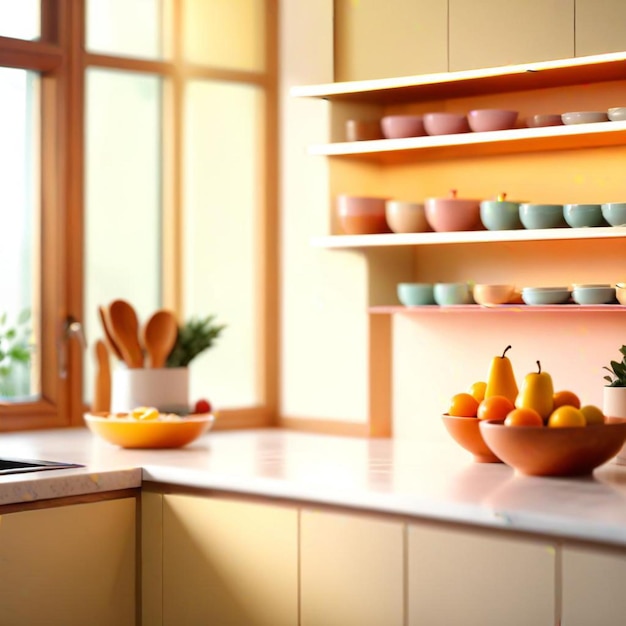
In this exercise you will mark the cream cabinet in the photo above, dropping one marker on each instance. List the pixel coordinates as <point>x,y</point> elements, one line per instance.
<point>593,586</point>
<point>600,26</point>
<point>69,565</point>
<point>225,562</point>
<point>376,39</point>
<point>351,570</point>
<point>477,578</point>
<point>506,32</point>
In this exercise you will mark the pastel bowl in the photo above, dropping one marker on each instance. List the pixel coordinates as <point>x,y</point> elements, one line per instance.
<point>617,114</point>
<point>361,215</point>
<point>538,296</point>
<point>593,294</point>
<point>614,213</point>
<point>406,217</point>
<point>126,432</point>
<point>584,117</point>
<point>483,120</point>
<point>465,431</point>
<point>544,119</point>
<point>583,215</point>
<point>500,215</point>
<point>620,293</point>
<point>452,213</point>
<point>493,295</point>
<point>574,451</point>
<point>363,130</point>
<point>535,216</point>
<point>447,294</point>
<point>445,123</point>
<point>401,126</point>
<point>416,294</point>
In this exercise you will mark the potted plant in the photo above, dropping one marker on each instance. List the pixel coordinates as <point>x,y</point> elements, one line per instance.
<point>615,390</point>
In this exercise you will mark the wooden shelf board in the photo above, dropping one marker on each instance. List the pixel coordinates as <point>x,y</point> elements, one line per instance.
<point>479,236</point>
<point>545,74</point>
<point>503,308</point>
<point>471,144</point>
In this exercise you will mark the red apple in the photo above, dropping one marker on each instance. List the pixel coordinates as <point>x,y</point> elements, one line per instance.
<point>202,406</point>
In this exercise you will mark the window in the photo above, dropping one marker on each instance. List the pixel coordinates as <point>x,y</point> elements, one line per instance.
<point>138,162</point>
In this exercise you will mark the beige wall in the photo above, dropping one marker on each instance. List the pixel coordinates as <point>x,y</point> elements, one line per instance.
<point>325,293</point>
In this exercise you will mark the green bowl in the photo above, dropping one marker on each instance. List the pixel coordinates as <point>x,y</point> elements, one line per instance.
<point>416,294</point>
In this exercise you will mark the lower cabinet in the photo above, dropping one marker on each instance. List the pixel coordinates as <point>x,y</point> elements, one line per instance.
<point>351,570</point>
<point>69,565</point>
<point>476,578</point>
<point>593,586</point>
<point>228,563</point>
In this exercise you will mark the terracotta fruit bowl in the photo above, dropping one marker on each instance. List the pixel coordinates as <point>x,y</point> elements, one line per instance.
<point>127,432</point>
<point>569,451</point>
<point>466,433</point>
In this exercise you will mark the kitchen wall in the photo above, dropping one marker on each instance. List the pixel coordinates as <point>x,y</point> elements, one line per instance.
<point>326,293</point>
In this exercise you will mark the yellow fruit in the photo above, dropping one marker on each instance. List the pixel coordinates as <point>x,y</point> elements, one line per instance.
<point>463,405</point>
<point>566,416</point>
<point>593,415</point>
<point>145,413</point>
<point>478,390</point>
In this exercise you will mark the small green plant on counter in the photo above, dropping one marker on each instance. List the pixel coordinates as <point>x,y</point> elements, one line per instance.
<point>15,349</point>
<point>617,371</point>
<point>194,337</point>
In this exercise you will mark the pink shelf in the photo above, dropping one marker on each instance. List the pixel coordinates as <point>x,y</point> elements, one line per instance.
<point>504,308</point>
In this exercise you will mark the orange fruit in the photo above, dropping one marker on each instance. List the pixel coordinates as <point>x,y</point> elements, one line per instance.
<point>524,416</point>
<point>478,390</point>
<point>494,408</point>
<point>566,416</point>
<point>566,398</point>
<point>463,405</point>
<point>593,415</point>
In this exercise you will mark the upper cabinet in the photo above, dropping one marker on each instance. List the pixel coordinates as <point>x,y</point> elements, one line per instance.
<point>508,32</point>
<point>600,26</point>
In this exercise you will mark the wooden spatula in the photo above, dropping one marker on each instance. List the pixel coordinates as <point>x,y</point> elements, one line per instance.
<point>102,384</point>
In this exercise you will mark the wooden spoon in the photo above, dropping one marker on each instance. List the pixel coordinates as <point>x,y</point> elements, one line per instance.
<point>159,336</point>
<point>106,325</point>
<point>125,331</point>
<point>102,384</point>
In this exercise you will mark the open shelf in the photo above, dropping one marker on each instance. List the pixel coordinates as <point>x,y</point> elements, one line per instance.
<point>502,308</point>
<point>478,144</point>
<point>545,74</point>
<point>476,236</point>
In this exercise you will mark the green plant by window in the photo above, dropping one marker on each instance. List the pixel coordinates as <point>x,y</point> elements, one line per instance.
<point>617,371</point>
<point>194,337</point>
<point>15,349</point>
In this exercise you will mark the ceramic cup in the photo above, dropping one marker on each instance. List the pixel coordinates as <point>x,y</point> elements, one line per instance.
<point>166,389</point>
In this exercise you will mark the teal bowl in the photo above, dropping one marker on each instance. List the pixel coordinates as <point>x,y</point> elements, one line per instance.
<point>583,215</point>
<point>500,215</point>
<point>542,216</point>
<point>453,293</point>
<point>416,294</point>
<point>614,213</point>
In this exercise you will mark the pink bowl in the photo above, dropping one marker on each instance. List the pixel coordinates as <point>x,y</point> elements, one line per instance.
<point>445,123</point>
<point>452,214</point>
<point>400,126</point>
<point>482,120</point>
<point>361,215</point>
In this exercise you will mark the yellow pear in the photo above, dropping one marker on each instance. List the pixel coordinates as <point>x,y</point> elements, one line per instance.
<point>537,393</point>
<point>501,379</point>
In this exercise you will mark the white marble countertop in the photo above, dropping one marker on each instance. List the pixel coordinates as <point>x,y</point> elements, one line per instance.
<point>436,482</point>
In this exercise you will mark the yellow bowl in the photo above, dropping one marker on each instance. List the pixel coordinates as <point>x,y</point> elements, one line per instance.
<point>131,433</point>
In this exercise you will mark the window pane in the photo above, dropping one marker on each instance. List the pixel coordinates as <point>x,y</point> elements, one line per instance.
<point>123,195</point>
<point>130,28</point>
<point>20,19</point>
<point>224,195</point>
<point>228,34</point>
<point>19,221</point>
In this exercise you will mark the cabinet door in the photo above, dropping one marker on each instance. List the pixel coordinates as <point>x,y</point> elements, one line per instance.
<point>593,587</point>
<point>375,39</point>
<point>476,578</point>
<point>600,27</point>
<point>491,33</point>
<point>229,563</point>
<point>69,565</point>
<point>351,570</point>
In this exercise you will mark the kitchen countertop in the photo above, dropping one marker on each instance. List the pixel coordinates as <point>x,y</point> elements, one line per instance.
<point>437,482</point>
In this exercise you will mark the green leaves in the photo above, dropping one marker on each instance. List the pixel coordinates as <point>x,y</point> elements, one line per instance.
<point>196,336</point>
<point>15,346</point>
<point>617,371</point>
